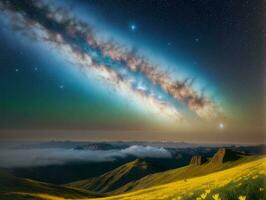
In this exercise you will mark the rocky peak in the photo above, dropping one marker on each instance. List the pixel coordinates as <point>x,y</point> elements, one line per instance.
<point>197,160</point>
<point>224,155</point>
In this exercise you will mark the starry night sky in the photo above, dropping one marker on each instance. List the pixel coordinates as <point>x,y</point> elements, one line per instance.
<point>217,43</point>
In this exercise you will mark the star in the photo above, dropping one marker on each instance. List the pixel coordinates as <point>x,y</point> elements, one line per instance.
<point>221,125</point>
<point>61,86</point>
<point>17,70</point>
<point>133,27</point>
<point>197,40</point>
<point>169,43</point>
<point>35,69</point>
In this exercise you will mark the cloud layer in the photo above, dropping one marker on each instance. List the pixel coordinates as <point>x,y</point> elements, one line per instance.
<point>11,158</point>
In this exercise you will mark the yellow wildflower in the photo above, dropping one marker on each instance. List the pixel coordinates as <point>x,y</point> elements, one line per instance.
<point>208,191</point>
<point>254,177</point>
<point>242,197</point>
<point>216,197</point>
<point>261,189</point>
<point>203,195</point>
<point>198,198</point>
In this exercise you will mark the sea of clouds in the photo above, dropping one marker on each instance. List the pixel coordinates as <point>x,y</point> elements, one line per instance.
<point>11,158</point>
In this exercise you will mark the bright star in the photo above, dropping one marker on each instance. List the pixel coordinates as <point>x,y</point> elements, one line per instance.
<point>61,86</point>
<point>221,126</point>
<point>35,69</point>
<point>17,70</point>
<point>133,27</point>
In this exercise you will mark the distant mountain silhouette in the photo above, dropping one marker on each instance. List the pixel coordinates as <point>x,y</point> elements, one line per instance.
<point>80,170</point>
<point>97,146</point>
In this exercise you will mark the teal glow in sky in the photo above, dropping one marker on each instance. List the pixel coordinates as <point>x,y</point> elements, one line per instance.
<point>105,75</point>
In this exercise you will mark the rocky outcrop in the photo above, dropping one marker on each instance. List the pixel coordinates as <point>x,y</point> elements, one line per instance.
<point>224,155</point>
<point>197,160</point>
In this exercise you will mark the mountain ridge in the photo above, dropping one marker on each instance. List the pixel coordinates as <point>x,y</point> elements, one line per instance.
<point>109,182</point>
<point>189,171</point>
<point>245,180</point>
<point>118,177</point>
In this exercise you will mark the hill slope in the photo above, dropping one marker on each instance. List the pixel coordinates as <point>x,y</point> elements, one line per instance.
<point>118,177</point>
<point>246,179</point>
<point>223,159</point>
<point>12,187</point>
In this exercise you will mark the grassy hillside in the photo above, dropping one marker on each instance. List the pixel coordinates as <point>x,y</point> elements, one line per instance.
<point>220,161</point>
<point>118,177</point>
<point>245,181</point>
<point>13,188</point>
